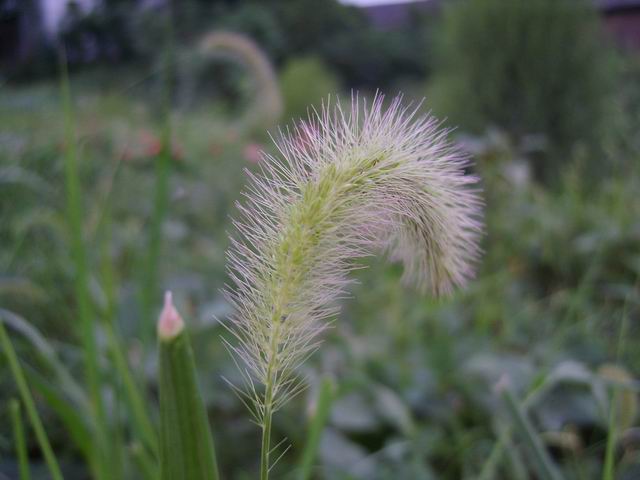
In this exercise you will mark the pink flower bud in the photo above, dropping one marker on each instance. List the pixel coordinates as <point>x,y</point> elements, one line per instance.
<point>170,323</point>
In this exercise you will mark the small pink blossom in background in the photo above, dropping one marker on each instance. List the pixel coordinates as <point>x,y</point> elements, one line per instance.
<point>146,144</point>
<point>252,152</point>
<point>150,143</point>
<point>177,150</point>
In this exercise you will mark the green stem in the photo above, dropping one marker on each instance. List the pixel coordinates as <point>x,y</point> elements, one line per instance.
<point>30,406</point>
<point>145,465</point>
<point>490,467</point>
<point>139,412</point>
<point>608,472</point>
<point>323,408</point>
<point>161,195</point>
<point>19,439</point>
<point>266,443</point>
<point>79,256</point>
<point>268,400</point>
<point>134,396</point>
<point>542,462</point>
<point>609,468</point>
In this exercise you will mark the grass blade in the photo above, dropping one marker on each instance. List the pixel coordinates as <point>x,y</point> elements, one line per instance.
<point>48,355</point>
<point>161,195</point>
<point>19,439</point>
<point>323,408</point>
<point>608,471</point>
<point>30,406</point>
<point>516,467</point>
<point>74,419</point>
<point>145,465</point>
<point>541,460</point>
<point>186,444</point>
<point>490,467</point>
<point>133,397</point>
<point>79,256</point>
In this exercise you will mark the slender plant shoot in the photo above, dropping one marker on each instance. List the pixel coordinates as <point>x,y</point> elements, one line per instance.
<point>186,444</point>
<point>347,183</point>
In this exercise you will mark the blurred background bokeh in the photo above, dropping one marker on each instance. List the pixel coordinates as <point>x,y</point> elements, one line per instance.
<point>543,94</point>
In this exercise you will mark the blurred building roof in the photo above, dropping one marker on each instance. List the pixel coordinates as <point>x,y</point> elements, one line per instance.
<point>621,17</point>
<point>393,14</point>
<point>616,5</point>
<point>622,21</point>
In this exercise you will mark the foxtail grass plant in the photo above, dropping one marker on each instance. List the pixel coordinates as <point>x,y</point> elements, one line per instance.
<point>345,184</point>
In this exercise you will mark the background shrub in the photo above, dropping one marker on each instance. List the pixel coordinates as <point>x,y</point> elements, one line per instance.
<point>306,81</point>
<point>527,66</point>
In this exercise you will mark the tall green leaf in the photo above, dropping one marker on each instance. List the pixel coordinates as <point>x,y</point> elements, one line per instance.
<point>19,439</point>
<point>323,408</point>
<point>186,444</point>
<point>27,400</point>
<point>86,315</point>
<point>541,460</point>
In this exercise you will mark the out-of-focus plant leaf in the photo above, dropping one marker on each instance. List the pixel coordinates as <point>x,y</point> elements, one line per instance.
<point>47,353</point>
<point>352,413</point>
<point>322,409</point>
<point>626,400</point>
<point>74,419</point>
<point>393,409</point>
<point>340,454</point>
<point>541,460</point>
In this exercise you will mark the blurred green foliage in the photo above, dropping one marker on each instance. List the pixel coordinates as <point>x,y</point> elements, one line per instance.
<point>339,35</point>
<point>526,66</point>
<point>306,82</point>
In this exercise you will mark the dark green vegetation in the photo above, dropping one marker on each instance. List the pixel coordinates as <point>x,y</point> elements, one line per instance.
<point>552,317</point>
<point>510,65</point>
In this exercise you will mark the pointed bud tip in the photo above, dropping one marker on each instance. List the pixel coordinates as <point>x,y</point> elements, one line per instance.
<point>170,323</point>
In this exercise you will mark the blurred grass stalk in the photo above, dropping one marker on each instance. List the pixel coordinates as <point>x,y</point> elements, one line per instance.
<point>149,287</point>
<point>103,450</point>
<point>539,456</point>
<point>133,396</point>
<point>608,470</point>
<point>81,284</point>
<point>30,406</point>
<point>19,439</point>
<point>322,410</point>
<point>186,444</point>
